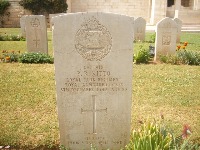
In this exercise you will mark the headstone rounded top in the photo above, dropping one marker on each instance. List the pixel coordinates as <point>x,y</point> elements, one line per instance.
<point>178,21</point>
<point>166,23</point>
<point>140,19</point>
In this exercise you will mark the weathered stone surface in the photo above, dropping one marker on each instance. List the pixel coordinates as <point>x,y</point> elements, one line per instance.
<point>166,33</point>
<point>139,29</point>
<point>22,25</point>
<point>179,26</point>
<point>36,33</point>
<point>93,68</point>
<point>51,16</point>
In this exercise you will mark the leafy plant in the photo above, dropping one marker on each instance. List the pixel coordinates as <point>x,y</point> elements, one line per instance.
<point>9,56</point>
<point>36,58</point>
<point>4,4</point>
<point>156,136</point>
<point>182,57</point>
<point>151,136</point>
<point>189,57</point>
<point>142,56</point>
<point>153,38</point>
<point>12,38</point>
<point>44,6</point>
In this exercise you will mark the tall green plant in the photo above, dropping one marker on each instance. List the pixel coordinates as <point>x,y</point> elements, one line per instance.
<point>142,56</point>
<point>4,4</point>
<point>151,136</point>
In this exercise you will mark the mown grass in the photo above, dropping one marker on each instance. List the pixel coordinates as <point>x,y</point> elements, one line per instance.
<point>168,89</point>
<point>28,105</point>
<point>28,116</point>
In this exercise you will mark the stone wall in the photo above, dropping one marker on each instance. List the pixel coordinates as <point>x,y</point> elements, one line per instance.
<point>151,10</point>
<point>135,8</point>
<point>15,11</point>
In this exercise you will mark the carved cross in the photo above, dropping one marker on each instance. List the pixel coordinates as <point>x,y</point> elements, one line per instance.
<point>36,39</point>
<point>94,111</point>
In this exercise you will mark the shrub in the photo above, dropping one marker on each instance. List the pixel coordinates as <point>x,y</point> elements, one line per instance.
<point>9,56</point>
<point>12,38</point>
<point>189,57</point>
<point>182,57</point>
<point>35,58</point>
<point>153,38</point>
<point>3,6</point>
<point>142,56</point>
<point>39,7</point>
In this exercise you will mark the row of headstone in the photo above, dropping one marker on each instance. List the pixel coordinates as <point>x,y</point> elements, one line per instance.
<point>140,29</point>
<point>34,28</point>
<point>93,71</point>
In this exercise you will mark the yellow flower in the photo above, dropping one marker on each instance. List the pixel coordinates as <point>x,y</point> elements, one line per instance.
<point>185,43</point>
<point>7,58</point>
<point>183,47</point>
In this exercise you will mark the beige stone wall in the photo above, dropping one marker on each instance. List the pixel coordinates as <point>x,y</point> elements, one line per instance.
<point>14,12</point>
<point>134,8</point>
<point>198,4</point>
<point>160,10</point>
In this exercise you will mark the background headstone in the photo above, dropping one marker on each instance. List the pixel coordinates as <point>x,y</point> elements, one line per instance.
<point>139,29</point>
<point>36,34</point>
<point>51,16</point>
<point>179,26</point>
<point>22,25</point>
<point>166,33</point>
<point>93,70</point>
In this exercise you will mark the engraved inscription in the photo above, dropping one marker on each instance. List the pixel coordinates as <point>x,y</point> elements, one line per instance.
<point>94,110</point>
<point>95,78</point>
<point>37,41</point>
<point>166,39</point>
<point>93,41</point>
<point>35,23</point>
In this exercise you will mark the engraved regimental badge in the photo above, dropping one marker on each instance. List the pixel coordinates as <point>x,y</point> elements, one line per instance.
<point>93,41</point>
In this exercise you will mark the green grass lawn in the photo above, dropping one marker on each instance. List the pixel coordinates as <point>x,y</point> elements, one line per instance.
<point>28,116</point>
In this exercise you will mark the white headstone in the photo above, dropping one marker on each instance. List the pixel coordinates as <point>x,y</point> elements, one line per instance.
<point>166,33</point>
<point>93,69</point>
<point>22,25</point>
<point>179,26</point>
<point>139,29</point>
<point>36,34</point>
